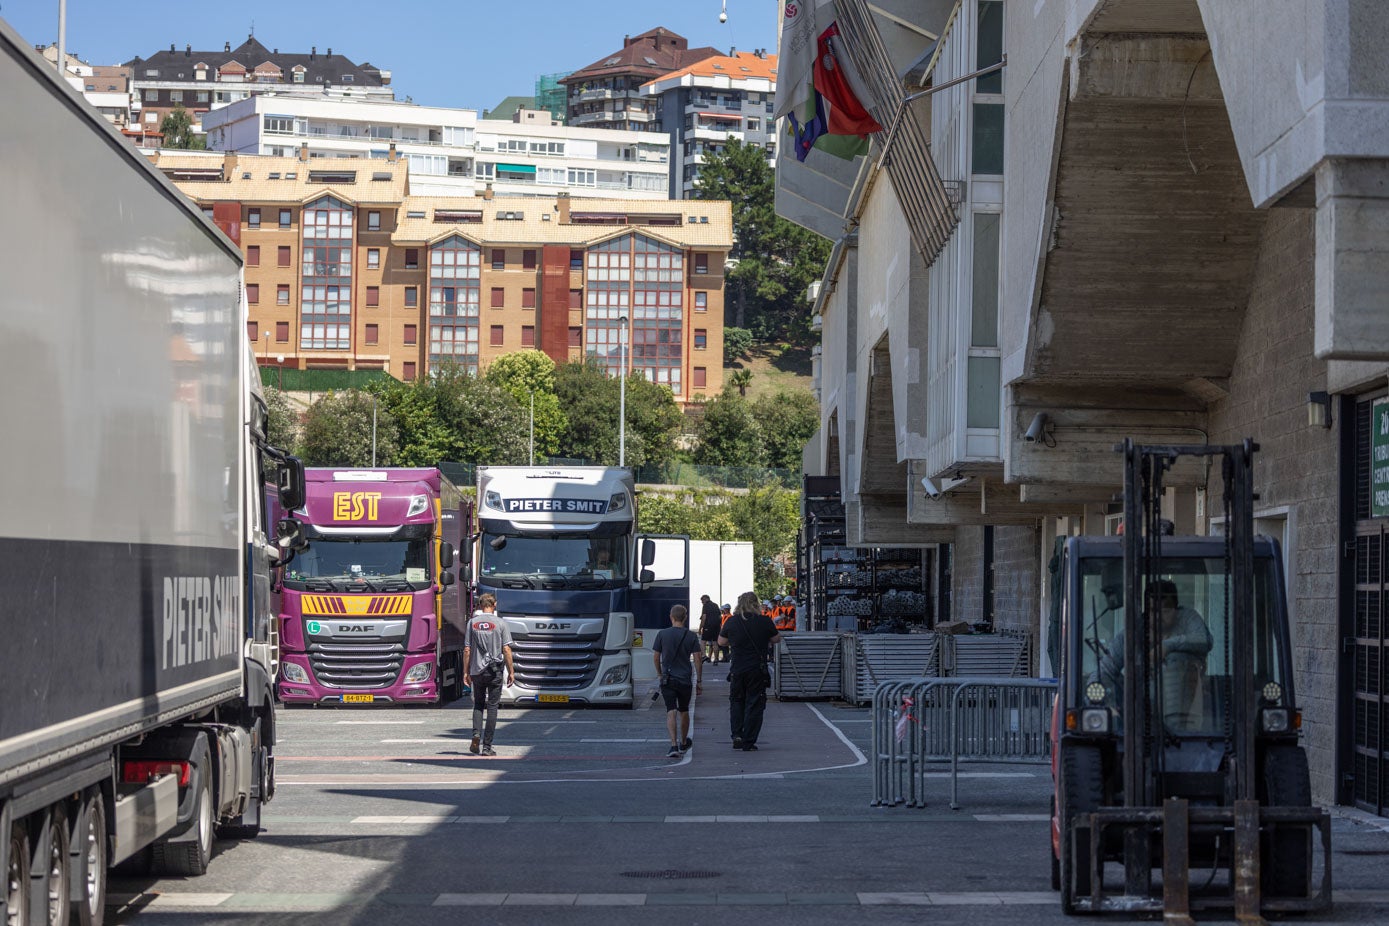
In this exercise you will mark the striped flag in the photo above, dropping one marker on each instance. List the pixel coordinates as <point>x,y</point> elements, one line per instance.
<point>818,90</point>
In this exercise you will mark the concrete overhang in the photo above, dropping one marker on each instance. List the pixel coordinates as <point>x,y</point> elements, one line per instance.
<point>876,521</point>
<point>979,501</point>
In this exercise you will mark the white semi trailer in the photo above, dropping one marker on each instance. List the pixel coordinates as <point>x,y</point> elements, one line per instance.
<point>138,652</point>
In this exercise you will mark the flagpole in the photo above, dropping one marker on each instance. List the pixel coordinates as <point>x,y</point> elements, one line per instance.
<point>912,97</point>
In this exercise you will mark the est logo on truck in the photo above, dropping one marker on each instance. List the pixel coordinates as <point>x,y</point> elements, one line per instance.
<point>356,506</point>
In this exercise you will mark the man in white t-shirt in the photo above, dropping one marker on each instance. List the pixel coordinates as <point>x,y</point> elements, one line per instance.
<point>486,649</point>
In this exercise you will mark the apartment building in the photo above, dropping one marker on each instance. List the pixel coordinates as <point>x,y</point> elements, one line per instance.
<point>1158,221</point>
<point>607,94</point>
<point>202,81</point>
<point>705,104</point>
<point>106,87</point>
<point>346,268</point>
<point>451,152</point>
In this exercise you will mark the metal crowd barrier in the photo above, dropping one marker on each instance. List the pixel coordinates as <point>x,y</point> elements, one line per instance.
<point>809,665</point>
<point>921,721</point>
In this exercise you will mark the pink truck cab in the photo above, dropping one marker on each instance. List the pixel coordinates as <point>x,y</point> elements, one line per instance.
<point>373,612</point>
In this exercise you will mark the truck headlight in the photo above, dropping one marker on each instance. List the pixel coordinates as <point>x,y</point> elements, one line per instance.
<point>1274,720</point>
<point>419,673</point>
<point>618,501</point>
<point>492,499</point>
<point>615,676</point>
<point>419,504</point>
<point>293,672</point>
<point>1094,720</point>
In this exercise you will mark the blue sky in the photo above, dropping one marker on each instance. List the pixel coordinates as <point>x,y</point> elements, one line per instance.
<point>440,52</point>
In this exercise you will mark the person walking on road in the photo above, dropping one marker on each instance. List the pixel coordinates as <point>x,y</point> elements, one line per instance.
<point>679,661</point>
<point>486,649</point>
<point>710,623</point>
<point>749,633</point>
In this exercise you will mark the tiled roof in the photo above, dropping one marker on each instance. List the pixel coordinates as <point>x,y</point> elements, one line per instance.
<point>259,187</point>
<point>716,233</point>
<point>319,67</point>
<point>742,66</point>
<point>643,57</point>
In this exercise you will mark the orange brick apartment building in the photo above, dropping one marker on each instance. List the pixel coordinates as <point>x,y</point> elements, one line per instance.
<point>346,270</point>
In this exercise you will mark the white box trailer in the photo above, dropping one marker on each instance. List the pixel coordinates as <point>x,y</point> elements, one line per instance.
<point>138,654</point>
<point>721,569</point>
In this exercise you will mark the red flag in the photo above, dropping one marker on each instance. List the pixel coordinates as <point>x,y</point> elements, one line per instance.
<point>846,116</point>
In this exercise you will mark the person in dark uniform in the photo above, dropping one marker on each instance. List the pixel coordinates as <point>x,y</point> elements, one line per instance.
<point>710,623</point>
<point>750,634</point>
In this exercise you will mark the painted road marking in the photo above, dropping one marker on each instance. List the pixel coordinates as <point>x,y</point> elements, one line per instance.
<point>445,819</point>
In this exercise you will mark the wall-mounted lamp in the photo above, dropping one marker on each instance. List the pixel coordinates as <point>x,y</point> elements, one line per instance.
<point>1040,430</point>
<point>1319,409</point>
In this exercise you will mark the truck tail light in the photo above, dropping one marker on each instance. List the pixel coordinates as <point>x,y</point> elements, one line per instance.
<point>140,771</point>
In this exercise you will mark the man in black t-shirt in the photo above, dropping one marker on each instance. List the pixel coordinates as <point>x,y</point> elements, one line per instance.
<point>710,622</point>
<point>680,664</point>
<point>750,634</point>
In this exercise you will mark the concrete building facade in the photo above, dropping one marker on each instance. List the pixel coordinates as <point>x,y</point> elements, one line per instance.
<point>346,268</point>
<point>451,152</point>
<point>1163,220</point>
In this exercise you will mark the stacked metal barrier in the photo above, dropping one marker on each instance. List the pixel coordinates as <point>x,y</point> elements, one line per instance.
<point>921,721</point>
<point>809,665</point>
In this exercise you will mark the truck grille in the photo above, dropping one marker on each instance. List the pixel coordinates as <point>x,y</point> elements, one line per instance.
<point>556,663</point>
<point>356,665</point>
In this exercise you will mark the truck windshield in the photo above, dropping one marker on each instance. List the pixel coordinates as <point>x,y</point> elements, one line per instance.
<point>1192,612</point>
<point>538,561</point>
<point>361,562</point>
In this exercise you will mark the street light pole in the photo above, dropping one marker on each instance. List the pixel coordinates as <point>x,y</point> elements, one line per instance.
<point>265,359</point>
<point>373,432</point>
<point>622,393</point>
<point>532,453</point>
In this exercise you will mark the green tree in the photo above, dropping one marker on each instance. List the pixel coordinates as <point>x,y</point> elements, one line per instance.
<point>703,515</point>
<point>338,432</point>
<point>777,259</point>
<point>768,515</point>
<point>741,379</point>
<point>177,129</point>
<point>729,433</point>
<point>282,424</point>
<point>525,373</point>
<point>736,343</point>
<point>590,398</point>
<point>788,419</point>
<point>454,415</point>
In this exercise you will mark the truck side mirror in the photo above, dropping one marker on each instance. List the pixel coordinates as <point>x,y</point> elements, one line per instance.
<point>446,579</point>
<point>646,577</point>
<point>648,553</point>
<point>289,535</point>
<point>290,481</point>
<point>465,573</point>
<point>445,555</point>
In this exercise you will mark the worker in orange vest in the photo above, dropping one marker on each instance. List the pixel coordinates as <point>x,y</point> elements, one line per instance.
<point>783,613</point>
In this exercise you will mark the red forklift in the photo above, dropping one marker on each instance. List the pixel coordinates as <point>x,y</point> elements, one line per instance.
<point>1179,781</point>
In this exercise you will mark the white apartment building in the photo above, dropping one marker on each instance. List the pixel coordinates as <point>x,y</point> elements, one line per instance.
<point>451,152</point>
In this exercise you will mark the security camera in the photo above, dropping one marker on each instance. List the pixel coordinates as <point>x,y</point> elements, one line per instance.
<point>930,487</point>
<point>1039,428</point>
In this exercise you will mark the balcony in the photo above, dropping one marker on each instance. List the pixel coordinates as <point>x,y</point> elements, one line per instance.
<point>715,133</point>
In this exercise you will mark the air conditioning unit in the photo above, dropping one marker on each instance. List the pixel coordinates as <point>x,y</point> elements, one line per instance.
<point>817,322</point>
<point>812,292</point>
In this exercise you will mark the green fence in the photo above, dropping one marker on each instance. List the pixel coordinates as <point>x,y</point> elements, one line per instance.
<point>291,380</point>
<point>681,474</point>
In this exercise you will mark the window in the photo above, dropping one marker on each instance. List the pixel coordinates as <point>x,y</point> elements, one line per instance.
<point>372,334</point>
<point>325,303</point>
<point>373,295</point>
<point>576,259</point>
<point>754,125</point>
<point>253,218</point>
<point>285,216</point>
<point>412,297</point>
<point>282,332</point>
<point>576,336</point>
<point>253,255</point>
<point>701,302</point>
<point>700,377</point>
<point>151,96</point>
<point>282,294</point>
<point>373,258</point>
<point>253,293</point>
<point>455,275</point>
<point>988,46</point>
<point>410,333</point>
<point>176,96</point>
<point>984,311</point>
<point>252,331</point>
<point>498,297</point>
<point>528,259</point>
<point>988,138</point>
<point>528,298</point>
<point>412,258</point>
<point>498,335</point>
<point>282,256</point>
<point>498,259</point>
<point>407,371</point>
<point>527,335</point>
<point>701,263</point>
<point>576,299</point>
<point>202,94</point>
<point>701,338</point>
<point>373,221</point>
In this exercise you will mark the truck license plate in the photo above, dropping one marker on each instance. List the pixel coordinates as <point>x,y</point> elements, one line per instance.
<point>358,698</point>
<point>553,699</point>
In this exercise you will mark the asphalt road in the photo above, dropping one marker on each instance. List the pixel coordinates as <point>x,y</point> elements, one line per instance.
<point>384,817</point>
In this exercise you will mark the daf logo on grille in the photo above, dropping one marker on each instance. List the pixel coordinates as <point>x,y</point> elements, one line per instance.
<point>551,625</point>
<point>355,628</point>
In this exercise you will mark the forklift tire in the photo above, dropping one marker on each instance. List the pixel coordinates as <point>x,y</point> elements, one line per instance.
<point>1287,854</point>
<point>1082,791</point>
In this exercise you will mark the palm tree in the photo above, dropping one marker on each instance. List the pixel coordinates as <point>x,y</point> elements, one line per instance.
<point>741,379</point>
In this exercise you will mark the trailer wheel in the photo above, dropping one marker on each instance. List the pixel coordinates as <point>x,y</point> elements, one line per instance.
<point>17,894</point>
<point>56,890</point>
<point>89,863</point>
<point>191,858</point>
<point>1082,791</point>
<point>1287,853</point>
